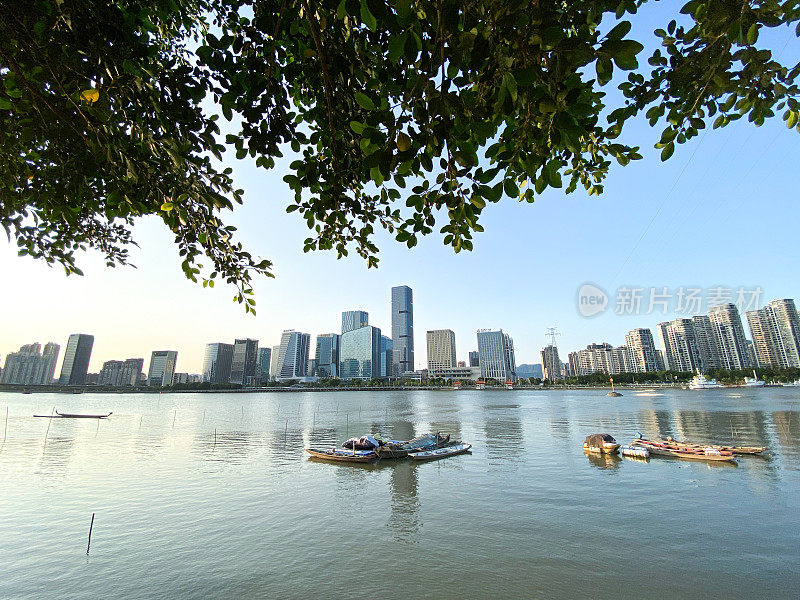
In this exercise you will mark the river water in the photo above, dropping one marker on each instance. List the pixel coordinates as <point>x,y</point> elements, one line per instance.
<point>212,496</point>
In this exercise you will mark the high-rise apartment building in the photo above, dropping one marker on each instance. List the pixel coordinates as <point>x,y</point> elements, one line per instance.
<point>680,345</point>
<point>360,354</point>
<point>327,354</point>
<point>217,363</point>
<point>273,362</point>
<point>642,349</point>
<point>496,355</point>
<point>292,355</point>
<point>403,329</point>
<point>162,367</point>
<point>776,334</point>
<point>441,349</point>
<point>120,373</point>
<point>76,359</point>
<point>474,360</point>
<point>705,336</point>
<point>354,319</point>
<point>551,363</point>
<point>729,334</point>
<point>245,359</point>
<point>29,366</point>
<point>262,368</point>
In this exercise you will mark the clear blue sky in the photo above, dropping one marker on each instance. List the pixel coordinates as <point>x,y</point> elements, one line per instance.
<point>722,211</point>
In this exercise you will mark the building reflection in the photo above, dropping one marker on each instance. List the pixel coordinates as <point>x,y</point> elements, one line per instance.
<point>503,432</point>
<point>404,517</point>
<point>787,431</point>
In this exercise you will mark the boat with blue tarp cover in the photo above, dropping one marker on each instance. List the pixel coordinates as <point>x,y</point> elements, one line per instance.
<point>437,453</point>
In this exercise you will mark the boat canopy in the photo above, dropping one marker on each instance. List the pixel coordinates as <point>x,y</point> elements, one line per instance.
<point>596,440</point>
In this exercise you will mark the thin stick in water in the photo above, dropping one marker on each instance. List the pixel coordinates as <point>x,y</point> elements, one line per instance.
<point>215,438</point>
<point>5,432</point>
<point>91,526</point>
<point>285,433</point>
<point>173,418</point>
<point>48,424</point>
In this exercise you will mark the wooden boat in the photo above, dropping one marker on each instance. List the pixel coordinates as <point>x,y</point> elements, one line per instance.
<point>399,449</point>
<point>734,449</point>
<point>438,453</point>
<point>79,416</point>
<point>600,443</point>
<point>343,455</point>
<point>676,450</point>
<point>60,415</point>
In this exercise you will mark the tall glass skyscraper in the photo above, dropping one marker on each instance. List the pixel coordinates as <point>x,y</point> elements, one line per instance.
<point>496,355</point>
<point>76,359</point>
<point>403,329</point>
<point>245,359</point>
<point>292,356</point>
<point>217,363</point>
<point>360,354</point>
<point>162,367</point>
<point>327,355</point>
<point>262,369</point>
<point>354,319</point>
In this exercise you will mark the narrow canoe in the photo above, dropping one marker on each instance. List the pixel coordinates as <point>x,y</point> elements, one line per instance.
<point>734,449</point>
<point>440,452</point>
<point>679,451</point>
<point>77,416</point>
<point>342,455</point>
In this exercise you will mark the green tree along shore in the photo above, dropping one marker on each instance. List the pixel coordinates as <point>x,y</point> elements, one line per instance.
<point>407,115</point>
<point>733,377</point>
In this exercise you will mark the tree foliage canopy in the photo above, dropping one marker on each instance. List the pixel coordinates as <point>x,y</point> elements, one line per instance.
<point>402,114</point>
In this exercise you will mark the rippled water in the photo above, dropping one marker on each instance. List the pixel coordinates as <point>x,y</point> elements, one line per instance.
<point>211,495</point>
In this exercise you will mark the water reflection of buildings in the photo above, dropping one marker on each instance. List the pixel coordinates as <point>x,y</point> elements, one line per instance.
<point>404,518</point>
<point>787,431</point>
<point>503,432</point>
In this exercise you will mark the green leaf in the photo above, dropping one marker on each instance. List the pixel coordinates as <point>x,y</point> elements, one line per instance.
<point>167,206</point>
<point>619,31</point>
<point>667,151</point>
<point>511,188</point>
<point>5,103</point>
<point>358,127</point>
<point>364,101</point>
<point>752,34</point>
<point>367,17</point>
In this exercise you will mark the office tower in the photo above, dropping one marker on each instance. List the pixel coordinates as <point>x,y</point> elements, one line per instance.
<point>474,361</point>
<point>131,371</point>
<point>360,354</point>
<point>643,350</point>
<point>403,329</point>
<point>730,337</point>
<point>354,319</point>
<point>327,354</point>
<point>76,359</point>
<point>30,367</point>
<point>680,345</point>
<point>551,363</point>
<point>273,362</point>
<point>441,349</point>
<point>293,355</point>
<point>387,356</point>
<point>708,350</point>
<point>162,367</point>
<point>245,358</point>
<point>262,369</point>
<point>496,355</point>
<point>776,334</point>
<point>217,363</point>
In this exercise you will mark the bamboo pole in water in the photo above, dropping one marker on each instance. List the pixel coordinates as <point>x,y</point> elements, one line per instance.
<point>91,526</point>
<point>5,432</point>
<point>48,424</point>
<point>285,433</point>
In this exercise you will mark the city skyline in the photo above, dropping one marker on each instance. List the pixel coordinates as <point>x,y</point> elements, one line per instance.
<point>666,221</point>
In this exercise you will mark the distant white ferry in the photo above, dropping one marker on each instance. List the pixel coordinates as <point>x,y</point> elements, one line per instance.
<point>701,382</point>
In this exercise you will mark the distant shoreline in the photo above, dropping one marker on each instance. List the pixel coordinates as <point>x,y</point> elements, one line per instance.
<point>130,390</point>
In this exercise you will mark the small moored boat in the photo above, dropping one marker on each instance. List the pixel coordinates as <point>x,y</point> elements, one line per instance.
<point>343,455</point>
<point>601,443</point>
<point>677,450</point>
<point>734,449</point>
<point>440,452</point>
<point>60,415</point>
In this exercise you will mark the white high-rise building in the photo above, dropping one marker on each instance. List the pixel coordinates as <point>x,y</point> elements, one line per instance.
<point>162,367</point>
<point>776,334</point>
<point>551,363</point>
<point>441,349</point>
<point>30,367</point>
<point>643,350</point>
<point>680,345</point>
<point>729,334</point>
<point>402,329</point>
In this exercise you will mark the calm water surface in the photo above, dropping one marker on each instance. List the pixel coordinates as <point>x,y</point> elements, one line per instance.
<point>183,512</point>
